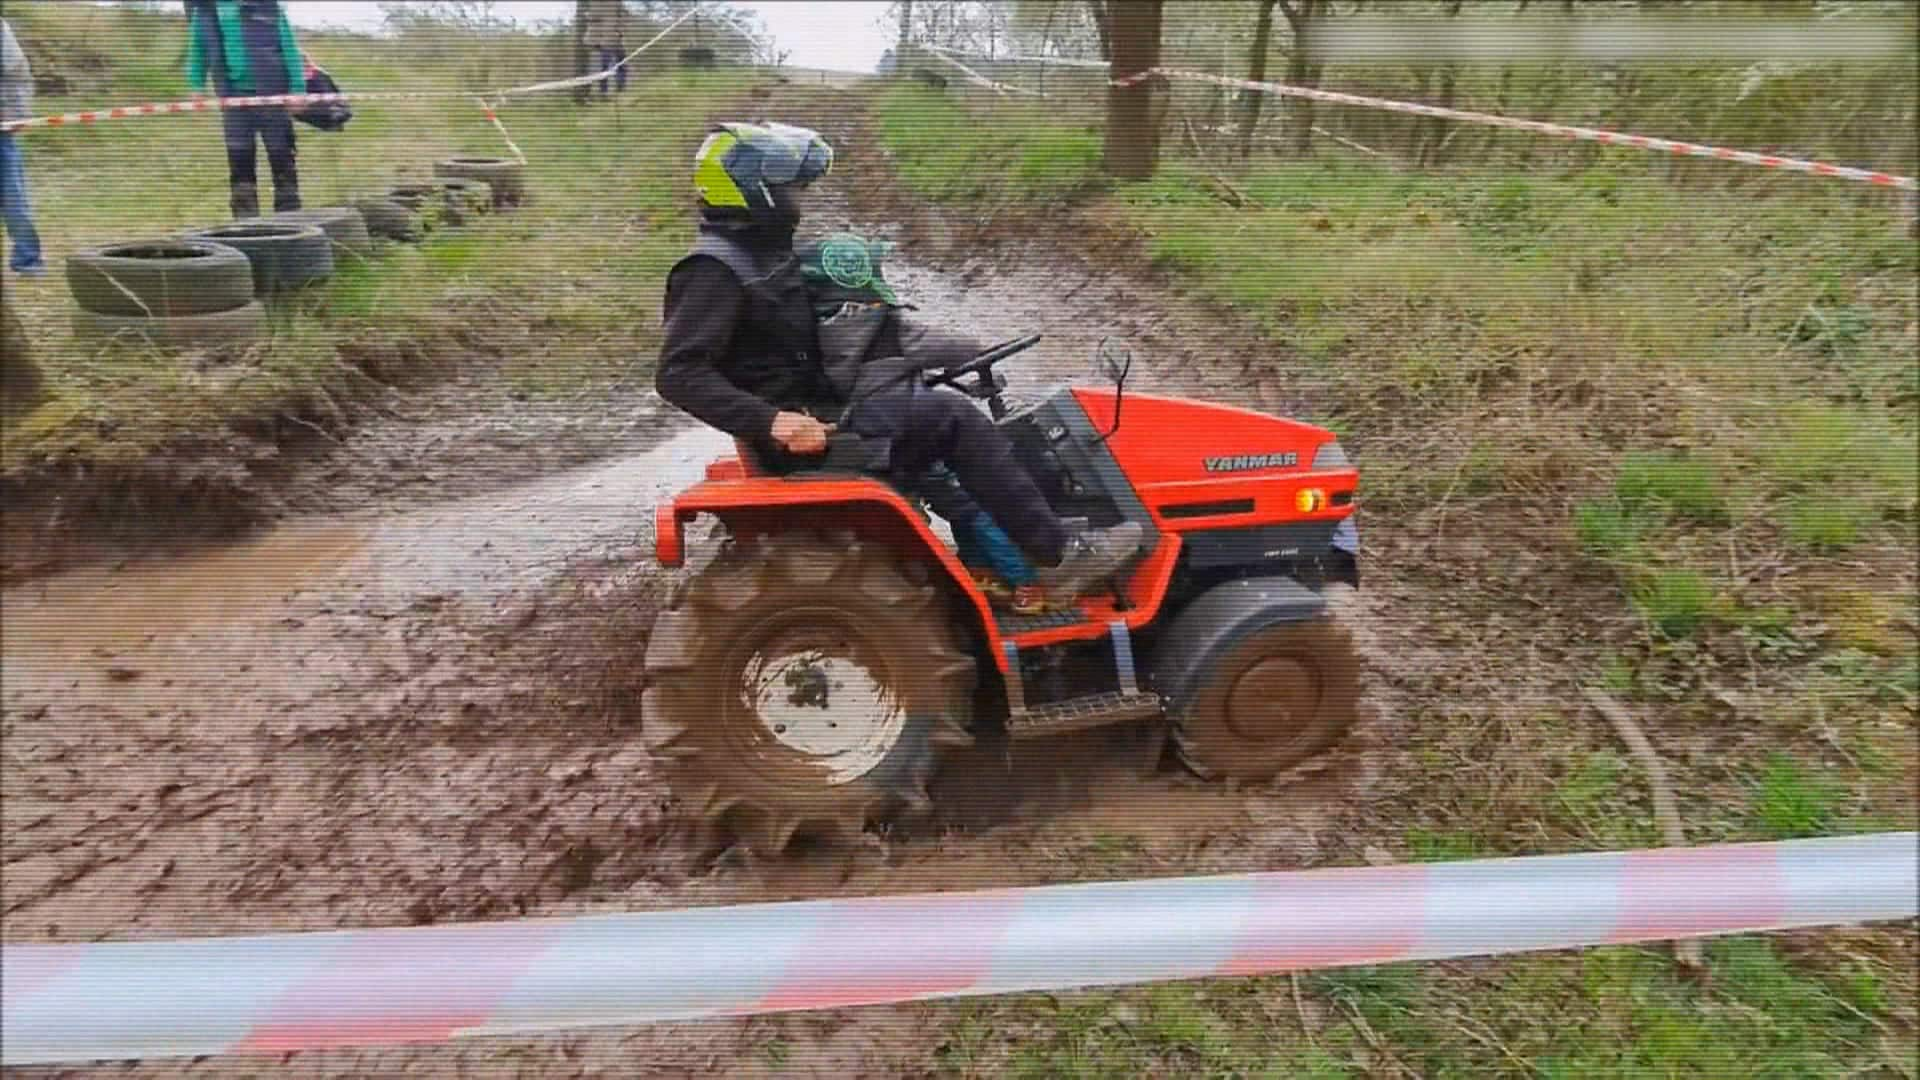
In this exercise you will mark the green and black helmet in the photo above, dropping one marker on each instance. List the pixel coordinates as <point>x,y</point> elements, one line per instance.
<point>739,165</point>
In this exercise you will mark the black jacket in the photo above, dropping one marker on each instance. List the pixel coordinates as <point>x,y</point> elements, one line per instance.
<point>739,335</point>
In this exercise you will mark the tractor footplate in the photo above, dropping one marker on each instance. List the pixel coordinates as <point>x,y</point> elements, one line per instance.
<point>1077,714</point>
<point>1013,624</point>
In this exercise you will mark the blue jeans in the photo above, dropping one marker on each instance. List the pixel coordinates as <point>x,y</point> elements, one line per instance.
<point>608,58</point>
<point>19,215</point>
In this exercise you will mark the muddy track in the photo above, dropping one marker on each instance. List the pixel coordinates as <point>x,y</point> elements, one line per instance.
<point>421,712</point>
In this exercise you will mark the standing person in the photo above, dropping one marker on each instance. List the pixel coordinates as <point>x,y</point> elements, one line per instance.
<point>607,36</point>
<point>247,48</point>
<point>16,103</point>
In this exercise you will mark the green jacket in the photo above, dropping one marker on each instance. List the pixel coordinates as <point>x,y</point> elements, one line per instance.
<point>234,49</point>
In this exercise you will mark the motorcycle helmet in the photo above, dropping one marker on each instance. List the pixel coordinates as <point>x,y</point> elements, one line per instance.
<point>745,167</point>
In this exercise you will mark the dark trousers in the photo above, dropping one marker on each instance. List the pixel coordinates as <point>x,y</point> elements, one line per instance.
<point>608,58</point>
<point>933,426</point>
<point>271,125</point>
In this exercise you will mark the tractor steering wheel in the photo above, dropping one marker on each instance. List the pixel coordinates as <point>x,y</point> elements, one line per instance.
<point>984,362</point>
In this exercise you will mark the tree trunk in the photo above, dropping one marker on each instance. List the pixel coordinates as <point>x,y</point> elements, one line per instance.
<point>1132,143</point>
<point>1301,71</point>
<point>585,90</point>
<point>1256,71</point>
<point>1102,27</point>
<point>906,25</point>
<point>1436,128</point>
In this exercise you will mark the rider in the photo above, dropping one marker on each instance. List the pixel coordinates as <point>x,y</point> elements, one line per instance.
<point>741,352</point>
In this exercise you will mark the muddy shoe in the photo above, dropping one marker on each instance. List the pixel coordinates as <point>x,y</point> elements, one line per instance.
<point>1091,558</point>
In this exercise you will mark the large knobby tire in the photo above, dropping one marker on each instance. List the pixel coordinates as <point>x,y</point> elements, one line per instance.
<point>802,685</point>
<point>1270,700</point>
<point>506,179</point>
<point>159,277</point>
<point>346,230</point>
<point>284,255</point>
<point>242,325</point>
<point>390,220</point>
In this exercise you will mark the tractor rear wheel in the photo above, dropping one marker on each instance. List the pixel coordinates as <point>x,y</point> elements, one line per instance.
<point>1271,700</point>
<point>802,685</point>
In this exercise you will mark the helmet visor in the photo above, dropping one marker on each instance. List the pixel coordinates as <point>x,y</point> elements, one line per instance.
<point>789,154</point>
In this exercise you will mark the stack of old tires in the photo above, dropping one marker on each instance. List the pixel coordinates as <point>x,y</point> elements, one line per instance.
<point>463,188</point>
<point>174,292</point>
<point>208,286</point>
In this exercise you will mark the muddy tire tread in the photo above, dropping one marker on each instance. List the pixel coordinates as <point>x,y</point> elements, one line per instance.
<point>1212,750</point>
<point>681,721</point>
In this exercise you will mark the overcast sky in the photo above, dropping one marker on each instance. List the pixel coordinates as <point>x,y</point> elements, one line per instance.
<point>840,35</point>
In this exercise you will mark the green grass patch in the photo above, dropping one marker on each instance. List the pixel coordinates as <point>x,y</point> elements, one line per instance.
<point>1790,802</point>
<point>1673,485</point>
<point>1607,530</point>
<point>1674,602</point>
<point>1021,156</point>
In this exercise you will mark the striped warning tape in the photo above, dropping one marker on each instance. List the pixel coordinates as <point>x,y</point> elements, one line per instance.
<point>372,987</point>
<point>171,108</point>
<point>1563,131</point>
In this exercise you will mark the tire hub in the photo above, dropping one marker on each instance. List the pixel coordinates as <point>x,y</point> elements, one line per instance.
<point>820,693</point>
<point>1273,699</point>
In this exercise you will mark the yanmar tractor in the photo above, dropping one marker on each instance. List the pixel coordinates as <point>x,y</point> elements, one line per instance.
<point>809,678</point>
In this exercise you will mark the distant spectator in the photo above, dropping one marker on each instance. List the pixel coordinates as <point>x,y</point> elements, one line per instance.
<point>606,35</point>
<point>16,103</point>
<point>247,48</point>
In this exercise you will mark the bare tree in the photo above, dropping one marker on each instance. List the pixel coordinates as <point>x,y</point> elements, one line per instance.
<point>1256,71</point>
<point>1132,141</point>
<point>1435,140</point>
<point>906,35</point>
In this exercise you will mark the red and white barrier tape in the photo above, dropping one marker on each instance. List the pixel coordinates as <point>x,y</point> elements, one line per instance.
<point>290,992</point>
<point>170,108</point>
<point>1562,131</point>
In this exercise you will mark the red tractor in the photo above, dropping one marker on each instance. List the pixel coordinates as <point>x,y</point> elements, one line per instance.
<point>808,679</point>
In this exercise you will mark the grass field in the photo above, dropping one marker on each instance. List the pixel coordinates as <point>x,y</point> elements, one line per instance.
<point>1612,434</point>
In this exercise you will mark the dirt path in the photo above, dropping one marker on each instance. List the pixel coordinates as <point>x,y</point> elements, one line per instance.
<point>397,716</point>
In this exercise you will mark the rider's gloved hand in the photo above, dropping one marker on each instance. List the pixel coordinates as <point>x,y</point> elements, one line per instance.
<point>800,433</point>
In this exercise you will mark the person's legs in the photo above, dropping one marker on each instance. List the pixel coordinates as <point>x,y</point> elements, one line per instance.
<point>276,131</point>
<point>238,126</point>
<point>25,258</point>
<point>619,73</point>
<point>604,60</point>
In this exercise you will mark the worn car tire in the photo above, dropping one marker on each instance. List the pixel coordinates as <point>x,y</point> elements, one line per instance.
<point>389,219</point>
<point>875,687</point>
<point>284,255</point>
<point>238,326</point>
<point>346,229</point>
<point>435,204</point>
<point>159,277</point>
<point>508,179</point>
<point>474,195</point>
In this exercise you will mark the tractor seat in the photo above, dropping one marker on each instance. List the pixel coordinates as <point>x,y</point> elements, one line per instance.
<point>844,454</point>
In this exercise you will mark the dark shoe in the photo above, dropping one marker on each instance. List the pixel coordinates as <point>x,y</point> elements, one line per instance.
<point>245,202</point>
<point>1090,559</point>
<point>286,197</point>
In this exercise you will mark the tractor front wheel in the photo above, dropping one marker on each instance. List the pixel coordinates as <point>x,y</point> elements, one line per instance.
<point>1271,700</point>
<point>803,685</point>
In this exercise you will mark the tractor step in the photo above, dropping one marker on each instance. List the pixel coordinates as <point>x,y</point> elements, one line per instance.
<point>1078,714</point>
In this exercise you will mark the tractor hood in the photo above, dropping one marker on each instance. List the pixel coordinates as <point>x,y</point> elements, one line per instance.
<point>1190,460</point>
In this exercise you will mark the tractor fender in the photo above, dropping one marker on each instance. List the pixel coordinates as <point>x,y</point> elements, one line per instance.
<point>1214,621</point>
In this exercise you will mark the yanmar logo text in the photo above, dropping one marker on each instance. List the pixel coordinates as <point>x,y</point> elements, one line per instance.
<point>1244,462</point>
